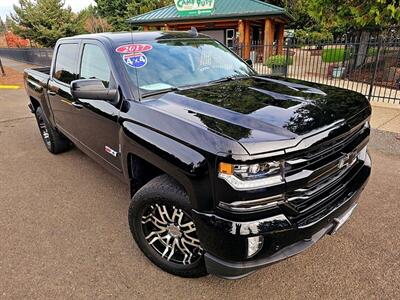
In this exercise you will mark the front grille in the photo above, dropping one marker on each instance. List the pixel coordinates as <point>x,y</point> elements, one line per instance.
<point>318,177</point>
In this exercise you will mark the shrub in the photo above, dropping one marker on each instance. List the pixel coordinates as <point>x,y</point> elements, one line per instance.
<point>278,61</point>
<point>333,55</point>
<point>304,37</point>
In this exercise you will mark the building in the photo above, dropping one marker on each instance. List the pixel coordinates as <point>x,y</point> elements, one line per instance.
<point>240,23</point>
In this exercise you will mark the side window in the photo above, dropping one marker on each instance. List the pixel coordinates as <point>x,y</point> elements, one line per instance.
<point>94,64</point>
<point>65,63</point>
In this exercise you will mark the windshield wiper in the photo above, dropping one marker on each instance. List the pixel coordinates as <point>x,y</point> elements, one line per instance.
<point>228,78</point>
<point>153,93</point>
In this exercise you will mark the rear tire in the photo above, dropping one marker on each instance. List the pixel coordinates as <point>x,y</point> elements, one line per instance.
<point>161,224</point>
<point>54,141</point>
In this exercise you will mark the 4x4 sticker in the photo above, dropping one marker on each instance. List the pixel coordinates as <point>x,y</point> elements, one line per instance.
<point>135,60</point>
<point>131,48</point>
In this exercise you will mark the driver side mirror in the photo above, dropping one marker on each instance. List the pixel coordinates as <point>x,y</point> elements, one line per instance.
<point>249,62</point>
<point>92,89</point>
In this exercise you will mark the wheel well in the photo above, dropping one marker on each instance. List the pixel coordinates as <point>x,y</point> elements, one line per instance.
<point>140,172</point>
<point>35,103</point>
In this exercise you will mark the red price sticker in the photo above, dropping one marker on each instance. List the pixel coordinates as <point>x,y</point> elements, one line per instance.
<point>131,48</point>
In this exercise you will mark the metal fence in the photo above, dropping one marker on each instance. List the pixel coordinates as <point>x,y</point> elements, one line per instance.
<point>370,67</point>
<point>35,56</point>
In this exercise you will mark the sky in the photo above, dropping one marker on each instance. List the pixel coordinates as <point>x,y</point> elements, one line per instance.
<point>6,6</point>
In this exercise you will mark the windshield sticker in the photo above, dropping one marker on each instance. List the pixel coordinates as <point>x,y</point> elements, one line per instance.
<point>131,48</point>
<point>135,60</point>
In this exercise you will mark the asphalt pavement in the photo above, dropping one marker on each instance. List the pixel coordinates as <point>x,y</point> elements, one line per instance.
<point>64,232</point>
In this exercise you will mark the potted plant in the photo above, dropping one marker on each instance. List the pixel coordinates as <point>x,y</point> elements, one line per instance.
<point>279,64</point>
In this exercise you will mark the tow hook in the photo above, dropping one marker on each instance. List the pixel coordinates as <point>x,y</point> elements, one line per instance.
<point>339,221</point>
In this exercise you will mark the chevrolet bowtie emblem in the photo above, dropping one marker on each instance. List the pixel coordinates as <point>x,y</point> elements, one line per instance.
<point>347,160</point>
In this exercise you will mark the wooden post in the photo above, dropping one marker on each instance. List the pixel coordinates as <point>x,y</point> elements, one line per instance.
<point>241,37</point>
<point>166,27</point>
<point>2,69</point>
<point>247,41</point>
<point>145,28</point>
<point>268,38</point>
<point>281,32</point>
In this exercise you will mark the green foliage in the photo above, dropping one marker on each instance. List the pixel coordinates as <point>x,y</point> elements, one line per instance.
<point>2,27</point>
<point>91,20</point>
<point>44,21</point>
<point>298,9</point>
<point>316,37</point>
<point>116,12</point>
<point>278,61</point>
<point>361,14</point>
<point>333,55</point>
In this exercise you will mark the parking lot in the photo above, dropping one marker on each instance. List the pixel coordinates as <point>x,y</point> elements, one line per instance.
<point>64,232</point>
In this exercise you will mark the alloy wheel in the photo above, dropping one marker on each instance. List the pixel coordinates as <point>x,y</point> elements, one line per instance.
<point>44,132</point>
<point>171,233</point>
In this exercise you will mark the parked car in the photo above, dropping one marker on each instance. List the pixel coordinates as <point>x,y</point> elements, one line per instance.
<point>229,171</point>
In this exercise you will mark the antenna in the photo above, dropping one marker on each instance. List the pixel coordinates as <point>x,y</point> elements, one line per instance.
<point>193,32</point>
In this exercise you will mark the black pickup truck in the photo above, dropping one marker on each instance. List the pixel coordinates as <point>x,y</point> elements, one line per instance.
<point>229,171</point>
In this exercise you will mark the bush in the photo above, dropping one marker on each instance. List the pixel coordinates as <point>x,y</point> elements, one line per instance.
<point>333,55</point>
<point>304,37</point>
<point>278,61</point>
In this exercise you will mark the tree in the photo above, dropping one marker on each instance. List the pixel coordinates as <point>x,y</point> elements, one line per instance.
<point>14,41</point>
<point>91,21</point>
<point>298,9</point>
<point>44,21</point>
<point>2,27</point>
<point>117,12</point>
<point>358,14</point>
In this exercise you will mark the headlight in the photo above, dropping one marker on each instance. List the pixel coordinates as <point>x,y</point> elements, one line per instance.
<point>254,176</point>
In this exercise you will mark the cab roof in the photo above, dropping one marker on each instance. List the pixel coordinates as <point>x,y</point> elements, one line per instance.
<point>138,36</point>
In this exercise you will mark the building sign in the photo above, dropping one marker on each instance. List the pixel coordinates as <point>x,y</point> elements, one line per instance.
<point>194,7</point>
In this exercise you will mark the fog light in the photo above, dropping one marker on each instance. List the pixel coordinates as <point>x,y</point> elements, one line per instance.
<point>254,245</point>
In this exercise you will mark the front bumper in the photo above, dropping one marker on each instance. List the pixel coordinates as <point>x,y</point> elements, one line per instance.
<point>225,241</point>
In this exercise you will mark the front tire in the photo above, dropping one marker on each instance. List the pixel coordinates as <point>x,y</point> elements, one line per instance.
<point>161,224</point>
<point>54,141</point>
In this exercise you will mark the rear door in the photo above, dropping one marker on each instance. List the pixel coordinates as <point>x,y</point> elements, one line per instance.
<point>96,121</point>
<point>64,71</point>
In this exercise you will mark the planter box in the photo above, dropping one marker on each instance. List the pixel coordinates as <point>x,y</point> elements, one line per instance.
<point>279,70</point>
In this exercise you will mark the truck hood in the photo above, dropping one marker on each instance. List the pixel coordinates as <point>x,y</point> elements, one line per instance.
<point>259,110</point>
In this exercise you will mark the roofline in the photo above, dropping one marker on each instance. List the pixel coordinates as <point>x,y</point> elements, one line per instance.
<point>210,17</point>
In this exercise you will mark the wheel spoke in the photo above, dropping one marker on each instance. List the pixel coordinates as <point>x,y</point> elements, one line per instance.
<point>157,233</point>
<point>185,251</point>
<point>162,210</point>
<point>172,249</point>
<point>172,233</point>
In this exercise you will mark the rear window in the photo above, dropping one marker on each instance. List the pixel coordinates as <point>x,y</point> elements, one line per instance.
<point>64,69</point>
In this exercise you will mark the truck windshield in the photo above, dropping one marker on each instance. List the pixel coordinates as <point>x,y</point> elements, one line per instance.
<point>169,64</point>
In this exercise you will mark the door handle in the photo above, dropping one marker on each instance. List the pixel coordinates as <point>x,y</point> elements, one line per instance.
<point>51,93</point>
<point>77,105</point>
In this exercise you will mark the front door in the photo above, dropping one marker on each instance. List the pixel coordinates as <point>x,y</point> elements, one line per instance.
<point>96,126</point>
